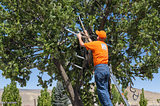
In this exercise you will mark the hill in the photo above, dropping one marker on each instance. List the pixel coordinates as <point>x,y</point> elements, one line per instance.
<point>28,96</point>
<point>150,96</point>
<point>31,95</point>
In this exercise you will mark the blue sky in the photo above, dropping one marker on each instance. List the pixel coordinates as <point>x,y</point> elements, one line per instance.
<point>153,86</point>
<point>31,84</point>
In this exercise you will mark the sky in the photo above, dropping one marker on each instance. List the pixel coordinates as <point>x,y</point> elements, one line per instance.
<point>153,86</point>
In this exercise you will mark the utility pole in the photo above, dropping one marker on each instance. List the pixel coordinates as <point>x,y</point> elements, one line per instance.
<point>34,102</point>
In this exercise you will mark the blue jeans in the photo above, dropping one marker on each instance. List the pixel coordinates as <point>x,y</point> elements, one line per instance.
<point>102,75</point>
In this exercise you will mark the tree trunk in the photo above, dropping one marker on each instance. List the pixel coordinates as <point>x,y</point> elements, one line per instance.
<point>74,96</point>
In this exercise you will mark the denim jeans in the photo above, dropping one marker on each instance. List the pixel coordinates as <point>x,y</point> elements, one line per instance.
<point>102,75</point>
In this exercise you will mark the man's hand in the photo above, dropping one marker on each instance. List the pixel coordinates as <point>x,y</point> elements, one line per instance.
<point>79,35</point>
<point>80,40</point>
<point>86,33</point>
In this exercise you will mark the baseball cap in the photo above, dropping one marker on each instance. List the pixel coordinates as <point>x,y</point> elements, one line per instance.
<point>101,33</point>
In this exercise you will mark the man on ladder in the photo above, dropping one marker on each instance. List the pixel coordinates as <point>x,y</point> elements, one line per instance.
<point>100,59</point>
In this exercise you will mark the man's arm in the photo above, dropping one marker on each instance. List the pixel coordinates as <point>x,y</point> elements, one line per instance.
<point>80,40</point>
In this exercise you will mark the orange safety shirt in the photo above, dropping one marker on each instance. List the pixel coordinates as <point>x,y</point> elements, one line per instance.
<point>99,51</point>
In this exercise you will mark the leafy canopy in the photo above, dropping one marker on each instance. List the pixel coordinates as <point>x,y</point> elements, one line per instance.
<point>32,34</point>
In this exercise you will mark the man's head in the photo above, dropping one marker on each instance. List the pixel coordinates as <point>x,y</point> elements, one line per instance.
<point>101,35</point>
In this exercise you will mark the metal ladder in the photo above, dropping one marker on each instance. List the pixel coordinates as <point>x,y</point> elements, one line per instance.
<point>115,82</point>
<point>77,65</point>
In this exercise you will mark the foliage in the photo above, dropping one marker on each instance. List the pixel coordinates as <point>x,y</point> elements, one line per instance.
<point>87,95</point>
<point>53,95</point>
<point>115,94</point>
<point>125,95</point>
<point>59,98</point>
<point>33,36</point>
<point>11,94</point>
<point>143,101</point>
<point>96,97</point>
<point>44,99</point>
<point>158,100</point>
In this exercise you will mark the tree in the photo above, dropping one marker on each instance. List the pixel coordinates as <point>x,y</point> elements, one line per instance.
<point>33,36</point>
<point>44,99</point>
<point>115,94</point>
<point>143,101</point>
<point>58,96</point>
<point>125,95</point>
<point>53,95</point>
<point>11,94</point>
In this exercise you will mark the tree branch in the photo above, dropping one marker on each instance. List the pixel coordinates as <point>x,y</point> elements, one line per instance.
<point>104,17</point>
<point>68,84</point>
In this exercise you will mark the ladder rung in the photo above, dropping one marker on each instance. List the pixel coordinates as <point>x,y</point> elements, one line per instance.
<point>79,56</point>
<point>77,66</point>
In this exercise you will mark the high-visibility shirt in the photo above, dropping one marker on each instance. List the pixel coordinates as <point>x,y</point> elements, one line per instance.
<point>99,51</point>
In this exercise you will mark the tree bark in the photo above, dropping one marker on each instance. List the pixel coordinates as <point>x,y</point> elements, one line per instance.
<point>74,95</point>
<point>101,27</point>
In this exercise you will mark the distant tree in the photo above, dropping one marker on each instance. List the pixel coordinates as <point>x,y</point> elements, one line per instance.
<point>44,99</point>
<point>53,95</point>
<point>125,95</point>
<point>58,96</point>
<point>158,100</point>
<point>143,101</point>
<point>115,95</point>
<point>11,94</point>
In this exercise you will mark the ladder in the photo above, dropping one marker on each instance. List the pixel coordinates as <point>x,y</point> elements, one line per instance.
<point>115,82</point>
<point>110,68</point>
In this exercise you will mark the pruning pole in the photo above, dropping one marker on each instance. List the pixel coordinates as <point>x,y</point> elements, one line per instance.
<point>82,25</point>
<point>73,32</point>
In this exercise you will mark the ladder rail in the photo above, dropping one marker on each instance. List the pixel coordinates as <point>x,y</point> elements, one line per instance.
<point>115,82</point>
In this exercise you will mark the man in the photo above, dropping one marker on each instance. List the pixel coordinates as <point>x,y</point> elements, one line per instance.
<point>100,59</point>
